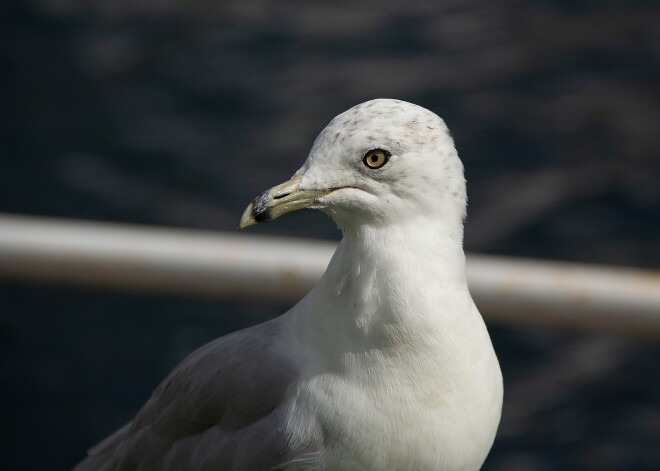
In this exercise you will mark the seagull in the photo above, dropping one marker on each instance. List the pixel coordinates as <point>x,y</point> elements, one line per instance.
<point>386,364</point>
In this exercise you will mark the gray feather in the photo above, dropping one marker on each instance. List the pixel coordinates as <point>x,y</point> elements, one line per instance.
<point>218,410</point>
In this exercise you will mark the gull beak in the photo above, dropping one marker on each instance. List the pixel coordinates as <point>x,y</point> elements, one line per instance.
<point>280,199</point>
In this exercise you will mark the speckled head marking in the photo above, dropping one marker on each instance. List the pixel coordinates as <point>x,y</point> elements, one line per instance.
<point>400,124</point>
<point>413,171</point>
<point>424,169</point>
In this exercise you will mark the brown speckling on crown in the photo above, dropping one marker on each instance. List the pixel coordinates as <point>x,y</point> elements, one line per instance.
<point>392,124</point>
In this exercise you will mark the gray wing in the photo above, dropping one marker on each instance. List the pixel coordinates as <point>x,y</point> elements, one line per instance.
<point>216,411</point>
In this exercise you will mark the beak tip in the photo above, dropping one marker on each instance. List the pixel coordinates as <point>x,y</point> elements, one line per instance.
<point>247,219</point>
<point>273,203</point>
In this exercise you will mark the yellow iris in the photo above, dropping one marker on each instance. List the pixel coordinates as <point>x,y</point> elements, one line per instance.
<point>376,158</point>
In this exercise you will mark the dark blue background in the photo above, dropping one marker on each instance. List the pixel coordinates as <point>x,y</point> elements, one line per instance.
<point>179,113</point>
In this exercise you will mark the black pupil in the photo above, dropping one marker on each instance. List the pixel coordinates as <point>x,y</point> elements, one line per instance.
<point>374,158</point>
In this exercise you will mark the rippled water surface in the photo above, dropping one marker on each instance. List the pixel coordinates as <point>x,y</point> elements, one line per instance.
<point>178,113</point>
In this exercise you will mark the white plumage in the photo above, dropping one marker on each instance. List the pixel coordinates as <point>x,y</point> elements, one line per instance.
<point>385,365</point>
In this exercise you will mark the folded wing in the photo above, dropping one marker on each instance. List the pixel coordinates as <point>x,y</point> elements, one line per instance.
<point>217,410</point>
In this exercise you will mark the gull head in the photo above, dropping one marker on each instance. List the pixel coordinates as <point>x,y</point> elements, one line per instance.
<point>379,163</point>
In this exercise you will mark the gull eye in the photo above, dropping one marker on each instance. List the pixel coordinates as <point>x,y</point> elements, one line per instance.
<point>376,158</point>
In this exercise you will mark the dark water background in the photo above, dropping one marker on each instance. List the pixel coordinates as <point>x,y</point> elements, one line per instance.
<point>179,112</point>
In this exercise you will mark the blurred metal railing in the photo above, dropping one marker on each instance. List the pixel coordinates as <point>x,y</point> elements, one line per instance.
<point>178,261</point>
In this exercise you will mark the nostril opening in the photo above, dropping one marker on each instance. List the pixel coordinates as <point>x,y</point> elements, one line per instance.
<point>281,196</point>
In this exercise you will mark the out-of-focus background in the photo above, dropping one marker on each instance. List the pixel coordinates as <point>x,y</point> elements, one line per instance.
<point>178,113</point>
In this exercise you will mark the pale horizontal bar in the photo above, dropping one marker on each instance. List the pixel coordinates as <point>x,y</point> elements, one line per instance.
<point>249,267</point>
